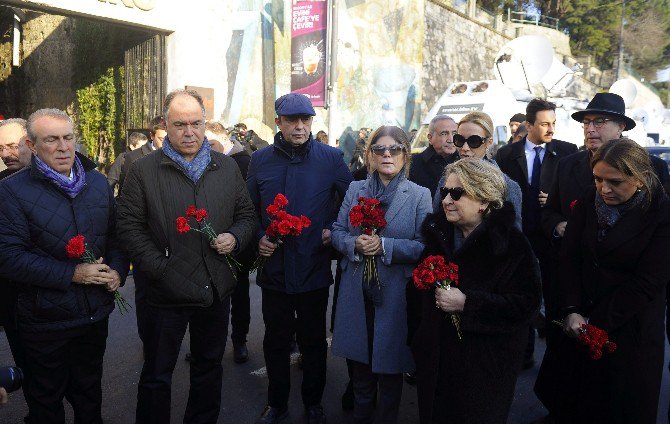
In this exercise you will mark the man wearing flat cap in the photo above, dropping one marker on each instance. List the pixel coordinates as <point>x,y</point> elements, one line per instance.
<point>296,275</point>
<point>603,119</point>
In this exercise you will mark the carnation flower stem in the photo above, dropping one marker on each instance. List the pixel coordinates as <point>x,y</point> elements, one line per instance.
<point>455,318</point>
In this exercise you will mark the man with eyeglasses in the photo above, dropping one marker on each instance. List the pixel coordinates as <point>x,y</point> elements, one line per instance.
<point>428,166</point>
<point>189,278</point>
<point>532,164</point>
<point>296,276</point>
<point>603,119</point>
<point>13,151</point>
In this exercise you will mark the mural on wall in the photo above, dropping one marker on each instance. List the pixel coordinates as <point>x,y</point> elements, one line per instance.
<point>380,58</point>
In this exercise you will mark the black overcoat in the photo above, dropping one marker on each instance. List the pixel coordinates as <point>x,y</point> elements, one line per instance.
<point>472,380</point>
<point>619,284</point>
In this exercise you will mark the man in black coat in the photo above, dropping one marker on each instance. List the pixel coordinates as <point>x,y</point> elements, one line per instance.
<point>428,166</point>
<point>190,278</point>
<point>12,148</point>
<point>532,164</point>
<point>603,119</point>
<point>157,134</point>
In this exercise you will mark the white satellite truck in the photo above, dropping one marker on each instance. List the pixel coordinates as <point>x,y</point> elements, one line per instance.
<point>525,68</point>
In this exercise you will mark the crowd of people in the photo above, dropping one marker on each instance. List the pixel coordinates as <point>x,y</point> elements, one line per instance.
<point>543,236</point>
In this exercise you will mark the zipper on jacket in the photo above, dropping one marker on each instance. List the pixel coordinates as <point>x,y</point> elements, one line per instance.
<point>167,253</point>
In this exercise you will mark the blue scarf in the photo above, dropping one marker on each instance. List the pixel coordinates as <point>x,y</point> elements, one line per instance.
<point>71,187</point>
<point>197,166</point>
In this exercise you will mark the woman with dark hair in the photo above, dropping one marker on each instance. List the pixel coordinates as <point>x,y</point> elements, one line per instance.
<point>612,276</point>
<point>371,320</point>
<point>471,379</point>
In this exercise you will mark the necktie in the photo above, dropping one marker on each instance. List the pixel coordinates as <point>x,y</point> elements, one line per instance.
<point>537,167</point>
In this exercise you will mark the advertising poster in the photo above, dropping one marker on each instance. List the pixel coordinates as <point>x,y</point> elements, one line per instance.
<point>308,49</point>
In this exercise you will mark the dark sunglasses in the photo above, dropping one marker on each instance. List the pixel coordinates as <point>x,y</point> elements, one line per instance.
<point>394,149</point>
<point>455,192</point>
<point>473,141</point>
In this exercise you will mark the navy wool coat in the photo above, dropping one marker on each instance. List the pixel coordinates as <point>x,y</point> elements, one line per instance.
<point>37,219</point>
<point>310,182</point>
<point>403,246</point>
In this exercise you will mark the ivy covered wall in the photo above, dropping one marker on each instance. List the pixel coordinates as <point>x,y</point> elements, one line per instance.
<point>99,88</point>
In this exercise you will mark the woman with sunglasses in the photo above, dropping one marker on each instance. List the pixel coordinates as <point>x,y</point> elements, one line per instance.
<point>473,139</point>
<point>471,379</point>
<point>371,319</point>
<point>613,276</point>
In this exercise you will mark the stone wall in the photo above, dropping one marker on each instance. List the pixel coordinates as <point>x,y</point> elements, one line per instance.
<point>48,62</point>
<point>458,48</point>
<point>455,49</point>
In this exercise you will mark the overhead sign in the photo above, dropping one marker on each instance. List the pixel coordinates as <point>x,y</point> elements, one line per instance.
<point>308,49</point>
<point>151,14</point>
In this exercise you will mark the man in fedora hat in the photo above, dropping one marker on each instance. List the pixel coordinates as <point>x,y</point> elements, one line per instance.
<point>603,119</point>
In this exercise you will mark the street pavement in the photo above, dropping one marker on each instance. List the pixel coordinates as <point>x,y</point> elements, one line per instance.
<point>245,386</point>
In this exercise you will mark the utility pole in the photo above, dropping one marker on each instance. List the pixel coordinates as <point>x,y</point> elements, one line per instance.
<point>620,58</point>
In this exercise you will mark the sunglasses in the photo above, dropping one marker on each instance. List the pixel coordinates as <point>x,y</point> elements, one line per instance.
<point>473,141</point>
<point>455,192</point>
<point>394,149</point>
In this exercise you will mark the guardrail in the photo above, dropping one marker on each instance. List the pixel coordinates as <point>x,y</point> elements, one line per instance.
<point>538,20</point>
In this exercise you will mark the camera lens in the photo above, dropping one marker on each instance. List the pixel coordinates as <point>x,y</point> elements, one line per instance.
<point>11,378</point>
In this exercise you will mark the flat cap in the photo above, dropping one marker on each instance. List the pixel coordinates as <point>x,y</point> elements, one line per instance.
<point>294,104</point>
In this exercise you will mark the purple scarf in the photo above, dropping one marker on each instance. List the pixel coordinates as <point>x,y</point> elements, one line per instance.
<point>70,187</point>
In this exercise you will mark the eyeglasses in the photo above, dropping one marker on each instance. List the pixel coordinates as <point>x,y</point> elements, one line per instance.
<point>13,147</point>
<point>598,122</point>
<point>473,141</point>
<point>455,192</point>
<point>394,149</point>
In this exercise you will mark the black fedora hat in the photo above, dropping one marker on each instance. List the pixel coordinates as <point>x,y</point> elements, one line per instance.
<point>606,104</point>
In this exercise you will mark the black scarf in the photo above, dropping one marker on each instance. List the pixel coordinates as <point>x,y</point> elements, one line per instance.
<point>608,216</point>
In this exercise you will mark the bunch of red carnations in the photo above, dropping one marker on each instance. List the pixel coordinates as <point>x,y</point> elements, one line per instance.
<point>76,248</point>
<point>200,216</point>
<point>434,271</point>
<point>368,215</point>
<point>596,340</point>
<point>283,224</point>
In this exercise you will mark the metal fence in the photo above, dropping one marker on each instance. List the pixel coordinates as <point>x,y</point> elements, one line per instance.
<point>532,19</point>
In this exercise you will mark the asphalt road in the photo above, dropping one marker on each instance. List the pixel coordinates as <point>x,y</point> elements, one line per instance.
<point>245,385</point>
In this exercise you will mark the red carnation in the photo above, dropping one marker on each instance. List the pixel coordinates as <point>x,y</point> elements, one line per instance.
<point>191,210</point>
<point>280,200</point>
<point>76,247</point>
<point>284,228</point>
<point>200,214</point>
<point>272,209</point>
<point>182,225</point>
<point>573,204</point>
<point>306,222</point>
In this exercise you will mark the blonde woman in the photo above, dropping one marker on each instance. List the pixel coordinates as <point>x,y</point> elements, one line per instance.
<point>471,380</point>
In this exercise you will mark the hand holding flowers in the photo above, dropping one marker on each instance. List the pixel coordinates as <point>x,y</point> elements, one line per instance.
<point>93,271</point>
<point>435,271</point>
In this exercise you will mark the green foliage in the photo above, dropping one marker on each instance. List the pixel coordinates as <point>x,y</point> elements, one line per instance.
<point>99,88</point>
<point>594,28</point>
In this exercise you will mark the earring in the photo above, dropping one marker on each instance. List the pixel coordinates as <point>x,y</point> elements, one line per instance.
<point>481,210</point>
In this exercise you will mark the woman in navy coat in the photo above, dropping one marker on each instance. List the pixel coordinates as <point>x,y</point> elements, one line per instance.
<point>371,325</point>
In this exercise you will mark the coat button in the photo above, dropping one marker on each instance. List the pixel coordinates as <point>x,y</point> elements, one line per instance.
<point>207,287</point>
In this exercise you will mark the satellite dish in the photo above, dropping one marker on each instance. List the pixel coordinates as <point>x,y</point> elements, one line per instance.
<point>557,78</point>
<point>524,61</point>
<point>626,89</point>
<point>639,115</point>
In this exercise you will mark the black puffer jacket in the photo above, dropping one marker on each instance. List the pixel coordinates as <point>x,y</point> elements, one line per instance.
<point>183,267</point>
<point>37,219</point>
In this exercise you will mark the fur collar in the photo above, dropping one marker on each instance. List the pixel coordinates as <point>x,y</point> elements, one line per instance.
<point>495,231</point>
